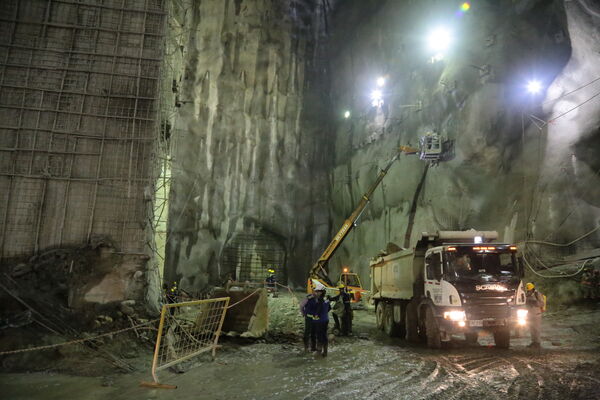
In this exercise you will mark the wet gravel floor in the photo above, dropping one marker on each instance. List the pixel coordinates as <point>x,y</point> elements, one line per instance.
<point>367,366</point>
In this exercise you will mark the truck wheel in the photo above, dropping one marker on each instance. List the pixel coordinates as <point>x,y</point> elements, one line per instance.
<point>389,326</point>
<point>434,340</point>
<point>379,308</point>
<point>502,338</point>
<point>412,327</point>
<point>471,337</point>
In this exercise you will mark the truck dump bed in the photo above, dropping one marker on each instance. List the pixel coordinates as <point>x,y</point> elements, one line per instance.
<point>393,276</point>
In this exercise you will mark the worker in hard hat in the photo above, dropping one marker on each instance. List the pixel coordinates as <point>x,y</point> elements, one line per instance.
<point>338,311</point>
<point>172,295</point>
<point>342,310</point>
<point>271,281</point>
<point>317,309</point>
<point>535,304</point>
<point>307,324</point>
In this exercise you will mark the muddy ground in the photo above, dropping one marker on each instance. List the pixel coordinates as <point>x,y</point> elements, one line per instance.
<point>366,366</point>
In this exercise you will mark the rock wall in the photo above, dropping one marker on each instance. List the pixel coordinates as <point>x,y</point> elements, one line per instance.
<point>519,166</point>
<point>251,140</point>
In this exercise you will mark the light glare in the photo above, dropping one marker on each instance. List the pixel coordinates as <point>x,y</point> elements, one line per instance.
<point>455,315</point>
<point>347,114</point>
<point>380,81</point>
<point>534,86</point>
<point>376,98</point>
<point>439,40</point>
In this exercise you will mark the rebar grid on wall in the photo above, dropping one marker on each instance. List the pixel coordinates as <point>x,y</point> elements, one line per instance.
<point>79,88</point>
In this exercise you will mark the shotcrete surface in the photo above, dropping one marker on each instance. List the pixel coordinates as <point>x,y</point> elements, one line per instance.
<point>368,365</point>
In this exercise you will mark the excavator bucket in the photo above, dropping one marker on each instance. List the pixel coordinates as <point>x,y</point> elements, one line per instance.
<point>248,313</point>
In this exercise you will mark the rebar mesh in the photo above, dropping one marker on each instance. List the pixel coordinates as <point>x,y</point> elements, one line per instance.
<point>78,121</point>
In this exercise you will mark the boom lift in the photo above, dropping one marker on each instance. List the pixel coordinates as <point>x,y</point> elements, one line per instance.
<point>318,272</point>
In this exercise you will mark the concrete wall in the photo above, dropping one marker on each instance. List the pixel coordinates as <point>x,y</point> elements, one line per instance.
<point>79,91</point>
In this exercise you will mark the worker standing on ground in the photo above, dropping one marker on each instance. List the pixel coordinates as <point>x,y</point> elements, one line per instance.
<point>338,314</point>
<point>307,324</point>
<point>343,311</point>
<point>317,309</point>
<point>535,305</point>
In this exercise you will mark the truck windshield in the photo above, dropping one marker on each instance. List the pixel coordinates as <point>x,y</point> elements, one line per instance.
<point>468,263</point>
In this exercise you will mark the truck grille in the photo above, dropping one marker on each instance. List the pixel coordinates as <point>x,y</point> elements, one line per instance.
<point>485,312</point>
<point>487,305</point>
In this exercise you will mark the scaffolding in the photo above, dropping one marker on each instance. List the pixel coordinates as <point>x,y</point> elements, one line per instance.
<point>79,112</point>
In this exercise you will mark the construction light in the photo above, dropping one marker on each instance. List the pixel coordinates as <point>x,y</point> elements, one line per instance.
<point>376,98</point>
<point>478,239</point>
<point>345,269</point>
<point>380,81</point>
<point>534,86</point>
<point>439,40</point>
<point>346,114</point>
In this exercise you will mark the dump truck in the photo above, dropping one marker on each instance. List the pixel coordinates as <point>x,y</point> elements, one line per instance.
<point>451,282</point>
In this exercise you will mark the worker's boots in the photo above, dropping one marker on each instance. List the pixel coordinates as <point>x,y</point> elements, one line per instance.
<point>313,345</point>
<point>324,353</point>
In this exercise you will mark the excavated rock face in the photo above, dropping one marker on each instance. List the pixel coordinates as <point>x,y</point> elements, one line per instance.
<point>510,171</point>
<point>252,179</point>
<point>249,179</point>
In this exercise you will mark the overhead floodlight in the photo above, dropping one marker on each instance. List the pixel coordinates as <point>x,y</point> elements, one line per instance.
<point>376,98</point>
<point>380,81</point>
<point>440,40</point>
<point>534,86</point>
<point>346,114</point>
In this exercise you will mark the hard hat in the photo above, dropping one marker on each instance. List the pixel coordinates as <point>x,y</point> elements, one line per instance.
<point>319,287</point>
<point>271,270</point>
<point>341,286</point>
<point>530,286</point>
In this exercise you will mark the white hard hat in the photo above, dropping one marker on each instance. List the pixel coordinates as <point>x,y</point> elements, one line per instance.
<point>319,286</point>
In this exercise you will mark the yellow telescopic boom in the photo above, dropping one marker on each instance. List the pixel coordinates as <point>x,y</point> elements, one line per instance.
<point>318,269</point>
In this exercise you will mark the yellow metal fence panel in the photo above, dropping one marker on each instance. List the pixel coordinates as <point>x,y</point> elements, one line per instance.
<point>186,330</point>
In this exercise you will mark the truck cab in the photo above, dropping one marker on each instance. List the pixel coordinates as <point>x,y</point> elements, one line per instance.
<point>473,287</point>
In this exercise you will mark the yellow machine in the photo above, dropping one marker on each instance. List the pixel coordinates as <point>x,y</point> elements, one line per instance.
<point>351,282</point>
<point>318,272</point>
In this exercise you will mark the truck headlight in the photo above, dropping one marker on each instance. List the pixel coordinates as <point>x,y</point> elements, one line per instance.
<point>522,314</point>
<point>455,315</point>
